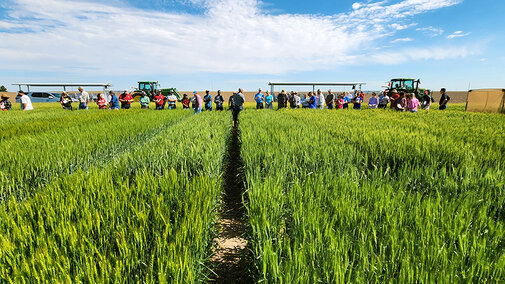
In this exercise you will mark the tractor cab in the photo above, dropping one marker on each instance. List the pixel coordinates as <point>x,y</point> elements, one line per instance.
<point>149,87</point>
<point>405,85</point>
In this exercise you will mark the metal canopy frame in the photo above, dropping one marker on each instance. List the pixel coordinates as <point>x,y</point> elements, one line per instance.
<point>64,85</point>
<point>314,84</point>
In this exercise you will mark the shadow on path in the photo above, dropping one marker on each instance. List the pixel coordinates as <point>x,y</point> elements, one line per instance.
<point>230,261</point>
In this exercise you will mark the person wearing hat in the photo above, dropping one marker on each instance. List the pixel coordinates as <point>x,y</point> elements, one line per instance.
<point>26,102</point>
<point>66,101</point>
<point>197,102</point>
<point>144,101</point>
<point>83,98</point>
<point>5,104</point>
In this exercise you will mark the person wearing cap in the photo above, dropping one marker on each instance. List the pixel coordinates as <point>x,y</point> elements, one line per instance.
<point>26,102</point>
<point>83,98</point>
<point>237,105</point>
<point>260,99</point>
<point>219,100</point>
<point>197,102</point>
<point>126,100</point>
<point>5,104</point>
<point>114,101</point>
<point>159,100</point>
<point>144,101</point>
<point>66,101</point>
<point>172,100</point>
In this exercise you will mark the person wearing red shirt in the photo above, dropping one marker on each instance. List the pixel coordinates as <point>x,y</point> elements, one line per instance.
<point>394,96</point>
<point>101,102</point>
<point>159,100</point>
<point>126,100</point>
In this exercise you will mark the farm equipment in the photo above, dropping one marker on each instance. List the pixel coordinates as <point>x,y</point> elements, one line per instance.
<point>406,86</point>
<point>151,88</point>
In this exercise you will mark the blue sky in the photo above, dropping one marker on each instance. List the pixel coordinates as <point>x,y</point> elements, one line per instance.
<point>226,44</point>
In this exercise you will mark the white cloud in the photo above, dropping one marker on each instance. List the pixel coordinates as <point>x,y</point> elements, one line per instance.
<point>458,34</point>
<point>405,39</point>
<point>431,31</point>
<point>232,36</point>
<point>428,53</point>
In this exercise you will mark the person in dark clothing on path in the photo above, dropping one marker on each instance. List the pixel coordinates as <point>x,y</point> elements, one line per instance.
<point>236,105</point>
<point>282,100</point>
<point>444,99</point>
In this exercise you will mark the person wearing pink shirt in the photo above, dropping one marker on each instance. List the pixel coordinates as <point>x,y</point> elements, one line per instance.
<point>413,103</point>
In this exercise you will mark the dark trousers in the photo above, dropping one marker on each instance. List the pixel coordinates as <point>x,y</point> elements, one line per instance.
<point>126,106</point>
<point>219,107</point>
<point>259,105</point>
<point>330,106</point>
<point>442,107</point>
<point>235,112</point>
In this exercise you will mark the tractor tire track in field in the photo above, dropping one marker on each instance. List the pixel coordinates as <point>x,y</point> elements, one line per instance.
<point>230,260</point>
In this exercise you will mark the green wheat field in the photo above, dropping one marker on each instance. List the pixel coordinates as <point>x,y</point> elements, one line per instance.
<point>332,196</point>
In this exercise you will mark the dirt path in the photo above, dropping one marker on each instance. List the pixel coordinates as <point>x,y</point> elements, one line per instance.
<point>230,259</point>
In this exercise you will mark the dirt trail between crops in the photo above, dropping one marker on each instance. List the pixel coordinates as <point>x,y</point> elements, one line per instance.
<point>230,261</point>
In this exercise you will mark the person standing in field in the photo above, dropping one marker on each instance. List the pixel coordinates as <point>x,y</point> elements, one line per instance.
<point>237,105</point>
<point>312,101</point>
<point>357,101</point>
<point>185,101</point>
<point>259,98</point>
<point>26,102</point>
<point>126,100</point>
<point>444,99</point>
<point>373,102</point>
<point>426,100</point>
<point>384,101</point>
<point>394,97</point>
<point>282,100</point>
<point>413,103</point>
<point>101,102</point>
<point>197,102</point>
<point>320,99</point>
<point>144,101</point>
<point>219,101</point>
<point>114,101</point>
<point>159,99</point>
<point>347,100</point>
<point>5,104</point>
<point>400,103</point>
<point>83,98</point>
<point>172,100</point>
<point>339,102</point>
<point>207,99</point>
<point>269,100</point>
<point>293,100</point>
<point>330,97</point>
<point>66,101</point>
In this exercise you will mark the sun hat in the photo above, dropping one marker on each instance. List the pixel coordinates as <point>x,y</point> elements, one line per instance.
<point>195,92</point>
<point>21,92</point>
<point>4,96</point>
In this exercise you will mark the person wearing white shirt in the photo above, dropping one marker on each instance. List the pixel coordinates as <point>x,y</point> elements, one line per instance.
<point>26,102</point>
<point>83,98</point>
<point>320,99</point>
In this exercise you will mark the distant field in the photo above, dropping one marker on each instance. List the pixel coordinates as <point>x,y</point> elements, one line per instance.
<point>330,196</point>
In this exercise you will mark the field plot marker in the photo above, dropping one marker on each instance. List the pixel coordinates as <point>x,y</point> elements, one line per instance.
<point>230,258</point>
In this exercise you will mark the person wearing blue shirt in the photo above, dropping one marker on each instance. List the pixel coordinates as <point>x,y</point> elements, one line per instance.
<point>269,99</point>
<point>207,99</point>
<point>312,101</point>
<point>114,101</point>
<point>259,98</point>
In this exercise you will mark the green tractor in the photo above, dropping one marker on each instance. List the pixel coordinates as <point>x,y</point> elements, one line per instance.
<point>406,86</point>
<point>151,88</point>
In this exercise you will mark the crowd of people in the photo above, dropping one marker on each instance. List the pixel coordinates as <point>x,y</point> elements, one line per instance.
<point>399,101</point>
